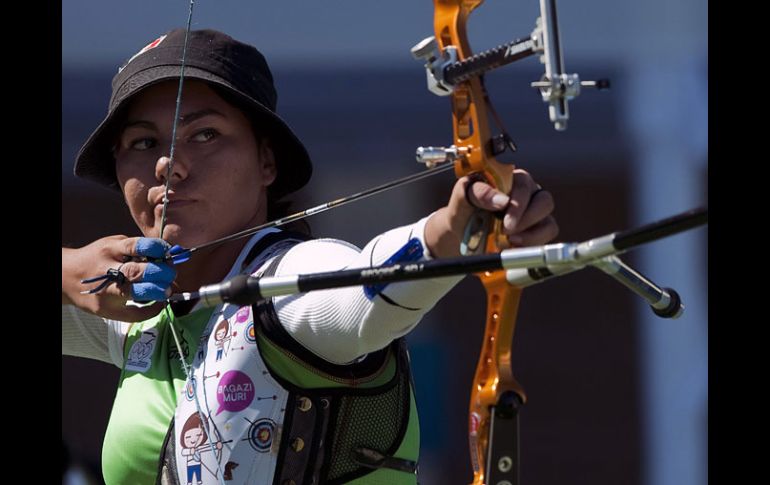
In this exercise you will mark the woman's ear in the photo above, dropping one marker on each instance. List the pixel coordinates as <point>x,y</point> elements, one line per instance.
<point>267,162</point>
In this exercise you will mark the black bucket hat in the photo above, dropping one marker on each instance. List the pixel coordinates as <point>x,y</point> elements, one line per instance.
<point>217,59</point>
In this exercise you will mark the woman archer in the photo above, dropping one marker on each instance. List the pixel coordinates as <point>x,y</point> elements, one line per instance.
<point>313,388</point>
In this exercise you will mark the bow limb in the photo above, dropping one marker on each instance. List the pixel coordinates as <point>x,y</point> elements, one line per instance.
<point>493,380</point>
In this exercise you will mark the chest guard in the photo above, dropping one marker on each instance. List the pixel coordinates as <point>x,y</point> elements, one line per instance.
<point>262,409</point>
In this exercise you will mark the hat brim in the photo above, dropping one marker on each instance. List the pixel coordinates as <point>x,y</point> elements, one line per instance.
<point>96,162</point>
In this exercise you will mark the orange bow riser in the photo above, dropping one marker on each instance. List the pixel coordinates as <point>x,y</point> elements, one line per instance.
<point>493,381</point>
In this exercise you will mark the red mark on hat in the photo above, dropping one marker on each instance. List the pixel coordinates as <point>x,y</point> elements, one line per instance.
<point>155,43</point>
<point>152,44</point>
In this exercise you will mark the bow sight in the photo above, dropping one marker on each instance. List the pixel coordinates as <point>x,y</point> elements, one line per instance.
<point>444,71</point>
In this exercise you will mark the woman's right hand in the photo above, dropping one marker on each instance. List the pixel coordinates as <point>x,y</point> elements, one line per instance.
<point>148,281</point>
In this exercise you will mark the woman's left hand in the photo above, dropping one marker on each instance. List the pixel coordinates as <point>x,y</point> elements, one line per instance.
<point>528,219</point>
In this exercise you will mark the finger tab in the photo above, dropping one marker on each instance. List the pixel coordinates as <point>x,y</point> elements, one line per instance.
<point>143,292</point>
<point>151,247</point>
<point>159,272</point>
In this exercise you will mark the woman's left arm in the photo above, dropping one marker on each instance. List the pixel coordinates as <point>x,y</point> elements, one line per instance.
<point>344,324</point>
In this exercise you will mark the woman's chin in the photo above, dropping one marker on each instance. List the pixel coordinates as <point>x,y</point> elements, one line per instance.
<point>190,237</point>
<point>175,235</point>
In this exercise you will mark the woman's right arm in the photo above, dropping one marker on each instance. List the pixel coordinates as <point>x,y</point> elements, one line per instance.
<point>89,336</point>
<point>93,325</point>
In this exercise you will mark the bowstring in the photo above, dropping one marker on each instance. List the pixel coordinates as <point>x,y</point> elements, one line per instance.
<point>185,367</point>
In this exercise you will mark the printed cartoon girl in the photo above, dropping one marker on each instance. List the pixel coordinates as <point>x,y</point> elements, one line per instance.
<point>192,440</point>
<point>220,337</point>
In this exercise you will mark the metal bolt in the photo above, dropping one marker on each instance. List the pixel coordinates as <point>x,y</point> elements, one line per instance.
<point>297,444</point>
<point>304,404</point>
<point>425,49</point>
<point>504,464</point>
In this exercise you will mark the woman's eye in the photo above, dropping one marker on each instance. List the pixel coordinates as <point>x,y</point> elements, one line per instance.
<point>205,135</point>
<point>142,144</point>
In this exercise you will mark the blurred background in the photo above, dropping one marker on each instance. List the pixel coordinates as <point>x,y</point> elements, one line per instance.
<point>615,395</point>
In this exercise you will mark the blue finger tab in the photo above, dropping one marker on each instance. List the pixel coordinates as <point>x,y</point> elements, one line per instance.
<point>142,292</point>
<point>151,247</point>
<point>159,273</point>
<point>409,252</point>
<point>179,254</point>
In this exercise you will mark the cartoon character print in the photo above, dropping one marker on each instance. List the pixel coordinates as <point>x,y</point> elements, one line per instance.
<point>221,337</point>
<point>237,396</point>
<point>204,338</point>
<point>193,441</point>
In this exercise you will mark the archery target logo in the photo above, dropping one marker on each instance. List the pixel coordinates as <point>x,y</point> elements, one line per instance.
<point>261,435</point>
<point>250,334</point>
<point>189,389</point>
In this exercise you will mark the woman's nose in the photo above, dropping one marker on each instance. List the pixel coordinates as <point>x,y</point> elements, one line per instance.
<point>178,169</point>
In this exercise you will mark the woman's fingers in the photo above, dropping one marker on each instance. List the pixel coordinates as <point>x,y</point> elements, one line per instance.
<point>541,233</point>
<point>526,213</point>
<point>481,195</point>
<point>144,281</point>
<point>151,247</point>
<point>539,207</point>
<point>528,210</point>
<point>523,187</point>
<point>144,292</point>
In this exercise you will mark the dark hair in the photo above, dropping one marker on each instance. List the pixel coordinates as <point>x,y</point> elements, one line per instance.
<point>193,422</point>
<point>223,325</point>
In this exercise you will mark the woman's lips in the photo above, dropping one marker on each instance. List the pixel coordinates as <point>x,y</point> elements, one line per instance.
<point>173,204</point>
<point>178,203</point>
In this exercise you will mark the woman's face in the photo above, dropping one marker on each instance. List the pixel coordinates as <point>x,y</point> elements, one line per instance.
<point>220,174</point>
<point>193,437</point>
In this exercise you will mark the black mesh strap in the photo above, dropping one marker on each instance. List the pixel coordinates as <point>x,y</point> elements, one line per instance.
<point>167,474</point>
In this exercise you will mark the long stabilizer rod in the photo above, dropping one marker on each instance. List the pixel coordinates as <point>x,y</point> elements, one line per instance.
<point>245,290</point>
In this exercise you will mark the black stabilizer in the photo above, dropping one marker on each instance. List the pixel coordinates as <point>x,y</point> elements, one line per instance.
<point>660,229</point>
<point>242,290</point>
<point>673,309</point>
